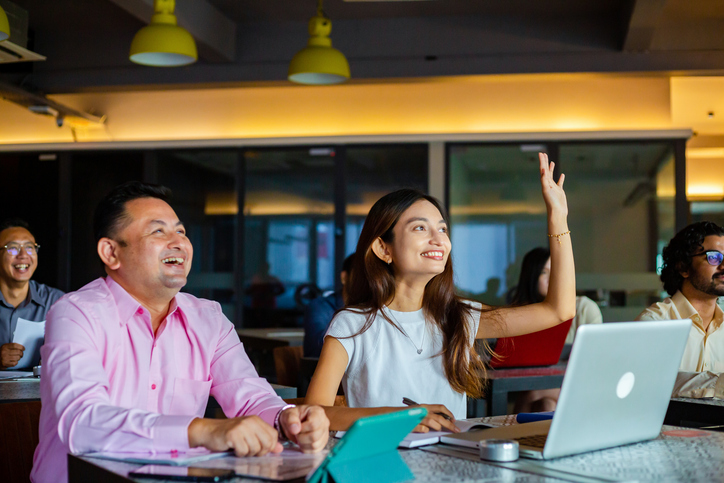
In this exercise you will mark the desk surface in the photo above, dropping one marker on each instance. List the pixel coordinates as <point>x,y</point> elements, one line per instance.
<point>27,389</point>
<point>704,401</point>
<point>676,455</point>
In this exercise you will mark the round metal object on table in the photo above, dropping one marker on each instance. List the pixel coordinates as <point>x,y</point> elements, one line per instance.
<point>501,450</point>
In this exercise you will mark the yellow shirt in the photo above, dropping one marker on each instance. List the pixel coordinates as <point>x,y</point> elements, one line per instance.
<point>587,312</point>
<point>703,360</point>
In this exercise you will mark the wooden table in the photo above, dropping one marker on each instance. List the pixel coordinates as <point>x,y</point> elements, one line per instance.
<point>501,382</point>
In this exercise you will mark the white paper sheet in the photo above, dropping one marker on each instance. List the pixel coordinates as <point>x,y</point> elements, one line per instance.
<point>191,457</point>
<point>30,334</point>
<point>14,374</point>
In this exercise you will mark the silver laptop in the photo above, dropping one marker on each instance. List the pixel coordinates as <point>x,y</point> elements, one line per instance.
<point>616,391</point>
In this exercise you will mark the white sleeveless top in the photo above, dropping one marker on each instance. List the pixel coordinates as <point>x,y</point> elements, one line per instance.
<point>384,366</point>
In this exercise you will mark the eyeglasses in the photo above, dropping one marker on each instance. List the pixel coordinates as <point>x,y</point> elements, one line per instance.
<point>713,257</point>
<point>14,248</point>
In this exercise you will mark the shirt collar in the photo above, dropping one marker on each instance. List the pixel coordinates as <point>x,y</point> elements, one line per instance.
<point>127,305</point>
<point>32,297</point>
<point>687,311</point>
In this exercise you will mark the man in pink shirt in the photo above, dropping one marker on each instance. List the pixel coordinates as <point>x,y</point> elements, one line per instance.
<point>129,362</point>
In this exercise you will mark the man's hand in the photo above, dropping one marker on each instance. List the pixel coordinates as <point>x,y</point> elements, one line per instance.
<point>10,354</point>
<point>307,426</point>
<point>246,435</point>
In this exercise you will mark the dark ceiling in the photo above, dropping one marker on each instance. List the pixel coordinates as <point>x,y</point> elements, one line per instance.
<point>86,42</point>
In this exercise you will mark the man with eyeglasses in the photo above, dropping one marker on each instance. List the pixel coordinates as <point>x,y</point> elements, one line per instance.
<point>693,276</point>
<point>22,300</point>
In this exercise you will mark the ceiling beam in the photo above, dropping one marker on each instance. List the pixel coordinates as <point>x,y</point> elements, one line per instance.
<point>215,33</point>
<point>640,19</point>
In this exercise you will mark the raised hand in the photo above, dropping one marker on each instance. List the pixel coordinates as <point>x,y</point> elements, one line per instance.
<point>553,194</point>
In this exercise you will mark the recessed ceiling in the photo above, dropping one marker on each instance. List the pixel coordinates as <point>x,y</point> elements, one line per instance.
<point>88,49</point>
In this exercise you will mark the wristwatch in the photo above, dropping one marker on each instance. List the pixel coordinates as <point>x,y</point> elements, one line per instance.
<point>277,426</point>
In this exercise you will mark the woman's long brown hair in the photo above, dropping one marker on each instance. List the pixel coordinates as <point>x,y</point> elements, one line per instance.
<point>372,284</point>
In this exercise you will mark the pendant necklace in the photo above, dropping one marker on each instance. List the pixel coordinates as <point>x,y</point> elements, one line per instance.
<point>422,342</point>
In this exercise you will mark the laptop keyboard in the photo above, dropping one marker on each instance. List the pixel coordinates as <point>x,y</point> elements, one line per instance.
<point>535,441</point>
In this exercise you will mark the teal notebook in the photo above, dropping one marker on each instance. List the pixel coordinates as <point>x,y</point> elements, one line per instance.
<point>368,451</point>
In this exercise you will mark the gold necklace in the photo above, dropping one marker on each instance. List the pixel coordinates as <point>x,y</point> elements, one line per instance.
<point>399,326</point>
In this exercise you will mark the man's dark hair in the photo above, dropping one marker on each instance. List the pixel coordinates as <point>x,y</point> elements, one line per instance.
<point>14,223</point>
<point>677,255</point>
<point>111,215</point>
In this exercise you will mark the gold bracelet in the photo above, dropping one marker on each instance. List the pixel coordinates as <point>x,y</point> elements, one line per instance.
<point>558,237</point>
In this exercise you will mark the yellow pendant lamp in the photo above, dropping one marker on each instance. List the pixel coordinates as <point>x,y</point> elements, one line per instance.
<point>4,25</point>
<point>319,63</point>
<point>163,43</point>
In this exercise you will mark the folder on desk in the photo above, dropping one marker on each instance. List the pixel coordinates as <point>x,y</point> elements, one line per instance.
<point>368,451</point>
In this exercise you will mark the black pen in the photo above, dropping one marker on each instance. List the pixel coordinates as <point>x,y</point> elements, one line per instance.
<point>409,402</point>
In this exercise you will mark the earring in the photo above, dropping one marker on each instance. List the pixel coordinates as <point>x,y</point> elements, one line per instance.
<point>389,261</point>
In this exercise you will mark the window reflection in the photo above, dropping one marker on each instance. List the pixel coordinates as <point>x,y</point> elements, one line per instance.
<point>621,201</point>
<point>374,171</point>
<point>288,245</point>
<point>204,198</point>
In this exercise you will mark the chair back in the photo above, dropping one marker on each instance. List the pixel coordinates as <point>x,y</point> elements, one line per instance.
<point>18,439</point>
<point>286,363</point>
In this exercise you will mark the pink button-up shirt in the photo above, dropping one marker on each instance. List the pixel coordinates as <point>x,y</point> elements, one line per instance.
<point>109,384</point>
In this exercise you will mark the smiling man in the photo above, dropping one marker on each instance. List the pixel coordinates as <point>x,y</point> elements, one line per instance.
<point>129,362</point>
<point>22,300</point>
<point>693,276</point>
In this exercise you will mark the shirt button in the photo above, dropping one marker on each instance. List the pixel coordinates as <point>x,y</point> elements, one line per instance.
<point>153,386</point>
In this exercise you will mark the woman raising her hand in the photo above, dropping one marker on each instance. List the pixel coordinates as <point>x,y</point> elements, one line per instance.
<point>404,332</point>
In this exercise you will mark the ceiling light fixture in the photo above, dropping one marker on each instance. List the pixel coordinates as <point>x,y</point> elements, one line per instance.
<point>4,25</point>
<point>319,63</point>
<point>163,43</point>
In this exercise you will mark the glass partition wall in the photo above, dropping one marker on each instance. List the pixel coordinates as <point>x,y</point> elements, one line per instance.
<point>301,206</point>
<point>288,232</point>
<point>270,226</point>
<point>204,188</point>
<point>621,214</point>
<point>264,262</point>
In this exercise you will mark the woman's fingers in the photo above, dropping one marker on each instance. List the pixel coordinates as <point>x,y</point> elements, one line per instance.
<point>438,409</point>
<point>421,428</point>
